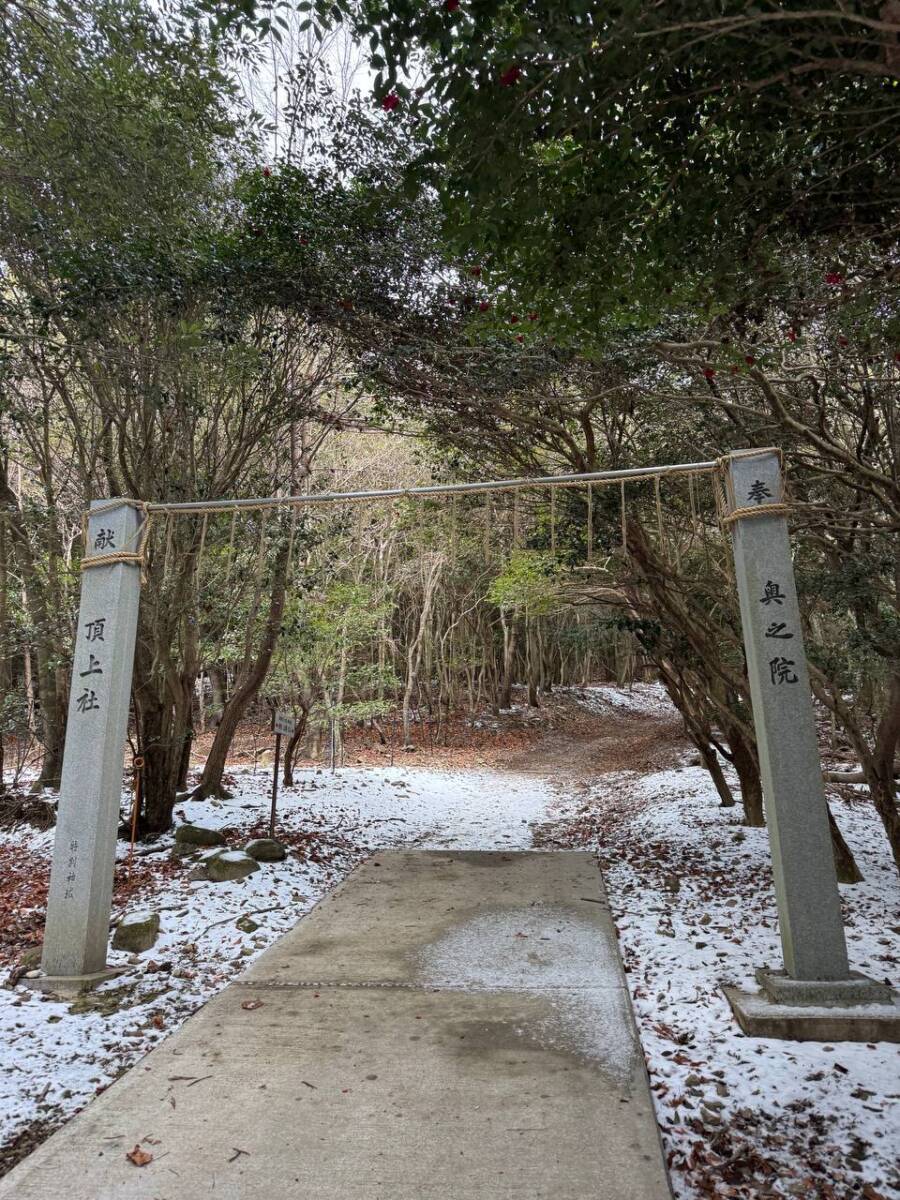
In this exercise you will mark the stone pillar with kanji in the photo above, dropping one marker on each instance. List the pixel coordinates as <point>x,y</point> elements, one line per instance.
<point>81,881</point>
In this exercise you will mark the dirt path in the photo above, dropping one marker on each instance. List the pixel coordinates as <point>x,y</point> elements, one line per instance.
<point>613,740</point>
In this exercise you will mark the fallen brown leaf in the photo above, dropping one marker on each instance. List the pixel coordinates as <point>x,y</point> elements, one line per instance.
<point>139,1157</point>
<point>250,1005</point>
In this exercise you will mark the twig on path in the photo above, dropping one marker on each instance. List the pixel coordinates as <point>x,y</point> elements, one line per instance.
<point>254,913</point>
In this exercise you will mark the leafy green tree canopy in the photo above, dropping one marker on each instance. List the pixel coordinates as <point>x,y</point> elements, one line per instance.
<point>615,162</point>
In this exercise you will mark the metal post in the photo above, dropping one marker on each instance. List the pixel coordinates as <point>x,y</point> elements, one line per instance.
<point>275,785</point>
<point>809,909</point>
<point>81,879</point>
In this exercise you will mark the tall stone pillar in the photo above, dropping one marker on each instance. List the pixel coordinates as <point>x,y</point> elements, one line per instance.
<point>78,908</point>
<point>809,909</point>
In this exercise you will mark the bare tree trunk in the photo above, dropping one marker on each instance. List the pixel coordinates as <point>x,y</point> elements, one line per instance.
<point>218,687</point>
<point>532,666</point>
<point>880,769</point>
<point>5,672</point>
<point>290,750</point>
<point>877,763</point>
<point>745,762</point>
<point>414,651</point>
<point>844,862</point>
<point>509,650</point>
<point>245,692</point>
<point>45,607</point>
<point>711,762</point>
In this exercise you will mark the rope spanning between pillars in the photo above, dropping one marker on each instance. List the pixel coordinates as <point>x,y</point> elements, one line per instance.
<point>716,468</point>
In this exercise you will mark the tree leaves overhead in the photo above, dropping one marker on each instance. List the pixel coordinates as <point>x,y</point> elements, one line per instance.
<point>626,159</point>
<point>115,199</point>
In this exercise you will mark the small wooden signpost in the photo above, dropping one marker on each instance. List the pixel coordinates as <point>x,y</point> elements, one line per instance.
<point>283,723</point>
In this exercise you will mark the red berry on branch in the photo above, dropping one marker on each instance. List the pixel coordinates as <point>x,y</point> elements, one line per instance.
<point>390,102</point>
<point>842,341</point>
<point>834,278</point>
<point>267,171</point>
<point>475,272</point>
<point>484,305</point>
<point>792,335</point>
<point>520,337</point>
<point>749,360</point>
<point>514,320</point>
<point>708,372</point>
<point>511,76</point>
<point>451,5</point>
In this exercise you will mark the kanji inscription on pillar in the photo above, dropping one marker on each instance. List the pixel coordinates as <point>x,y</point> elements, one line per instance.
<point>78,907</point>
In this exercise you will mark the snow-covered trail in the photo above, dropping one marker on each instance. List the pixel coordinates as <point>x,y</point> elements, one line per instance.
<point>691,891</point>
<point>55,1056</point>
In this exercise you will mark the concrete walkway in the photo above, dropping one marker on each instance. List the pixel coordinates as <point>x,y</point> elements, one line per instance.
<point>444,1026</point>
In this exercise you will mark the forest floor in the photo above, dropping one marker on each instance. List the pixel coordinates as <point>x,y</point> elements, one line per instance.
<point>598,768</point>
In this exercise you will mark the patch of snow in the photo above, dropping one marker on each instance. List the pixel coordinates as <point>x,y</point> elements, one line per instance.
<point>54,1058</point>
<point>648,699</point>
<point>546,951</point>
<point>691,891</point>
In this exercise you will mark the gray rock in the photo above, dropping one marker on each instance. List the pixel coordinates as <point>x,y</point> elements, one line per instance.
<point>196,835</point>
<point>199,871</point>
<point>31,958</point>
<point>232,864</point>
<point>266,850</point>
<point>136,932</point>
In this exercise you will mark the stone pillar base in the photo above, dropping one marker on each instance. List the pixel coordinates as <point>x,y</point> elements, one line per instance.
<point>71,985</point>
<point>829,1010</point>
<point>824,993</point>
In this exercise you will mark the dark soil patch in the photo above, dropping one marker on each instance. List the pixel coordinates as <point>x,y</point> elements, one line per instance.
<point>28,1139</point>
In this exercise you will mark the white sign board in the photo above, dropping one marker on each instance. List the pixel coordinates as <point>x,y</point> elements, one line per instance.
<point>284,722</point>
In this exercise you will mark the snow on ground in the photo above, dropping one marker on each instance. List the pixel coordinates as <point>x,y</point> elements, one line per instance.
<point>646,698</point>
<point>692,896</point>
<point>55,1056</point>
<point>691,892</point>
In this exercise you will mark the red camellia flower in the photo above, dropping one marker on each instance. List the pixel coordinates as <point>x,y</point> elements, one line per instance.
<point>749,360</point>
<point>484,305</point>
<point>897,357</point>
<point>792,335</point>
<point>708,372</point>
<point>514,320</point>
<point>834,278</point>
<point>390,102</point>
<point>511,76</point>
<point>475,271</point>
<point>520,337</point>
<point>842,341</point>
<point>267,171</point>
<point>451,5</point>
